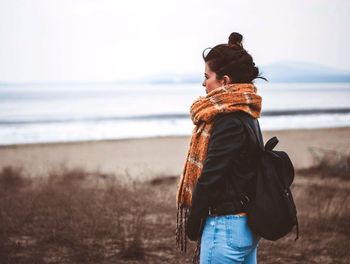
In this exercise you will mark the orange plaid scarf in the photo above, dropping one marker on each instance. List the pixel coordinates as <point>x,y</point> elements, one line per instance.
<point>225,99</point>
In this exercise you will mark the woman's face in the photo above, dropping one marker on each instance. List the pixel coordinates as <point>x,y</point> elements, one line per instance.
<point>210,82</point>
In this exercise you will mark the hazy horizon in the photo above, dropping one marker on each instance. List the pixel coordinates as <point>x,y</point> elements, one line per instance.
<point>107,41</point>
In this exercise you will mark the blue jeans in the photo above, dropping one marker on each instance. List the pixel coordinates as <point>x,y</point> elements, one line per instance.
<point>228,239</point>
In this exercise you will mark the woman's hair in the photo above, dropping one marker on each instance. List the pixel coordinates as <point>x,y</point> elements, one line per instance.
<point>233,60</point>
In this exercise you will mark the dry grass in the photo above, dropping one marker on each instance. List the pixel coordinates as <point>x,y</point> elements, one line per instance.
<point>73,216</point>
<point>329,163</point>
<point>70,216</point>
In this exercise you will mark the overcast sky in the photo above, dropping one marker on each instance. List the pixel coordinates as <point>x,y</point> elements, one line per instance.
<point>105,40</point>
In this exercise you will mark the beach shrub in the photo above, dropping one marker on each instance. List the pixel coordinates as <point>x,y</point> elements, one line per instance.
<point>12,178</point>
<point>329,163</point>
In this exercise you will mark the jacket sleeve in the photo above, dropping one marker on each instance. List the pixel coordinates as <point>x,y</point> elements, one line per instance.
<point>225,143</point>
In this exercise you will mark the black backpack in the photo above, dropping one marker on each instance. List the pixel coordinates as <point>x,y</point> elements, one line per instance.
<point>272,214</point>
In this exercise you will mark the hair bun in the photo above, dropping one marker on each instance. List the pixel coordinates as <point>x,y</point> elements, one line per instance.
<point>235,39</point>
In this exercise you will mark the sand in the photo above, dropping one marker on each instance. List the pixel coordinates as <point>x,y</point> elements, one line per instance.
<point>147,158</point>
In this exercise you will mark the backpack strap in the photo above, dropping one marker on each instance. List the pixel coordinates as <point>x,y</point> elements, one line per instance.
<point>271,143</point>
<point>252,127</point>
<point>254,134</point>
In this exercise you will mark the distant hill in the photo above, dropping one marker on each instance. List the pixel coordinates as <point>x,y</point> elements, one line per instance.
<point>287,71</point>
<point>284,71</point>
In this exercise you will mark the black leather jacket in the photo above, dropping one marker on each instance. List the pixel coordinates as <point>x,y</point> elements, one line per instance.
<point>229,169</point>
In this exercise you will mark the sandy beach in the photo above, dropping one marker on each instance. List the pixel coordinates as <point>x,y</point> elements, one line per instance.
<point>153,157</point>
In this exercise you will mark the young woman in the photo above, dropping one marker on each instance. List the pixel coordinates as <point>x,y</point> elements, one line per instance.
<point>218,176</point>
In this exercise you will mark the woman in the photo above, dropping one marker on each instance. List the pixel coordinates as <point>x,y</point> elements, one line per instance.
<point>218,176</point>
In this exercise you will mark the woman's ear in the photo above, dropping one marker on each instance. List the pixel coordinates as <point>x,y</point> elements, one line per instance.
<point>226,79</point>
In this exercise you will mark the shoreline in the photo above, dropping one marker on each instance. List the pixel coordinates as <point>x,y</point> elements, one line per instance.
<point>16,145</point>
<point>77,142</point>
<point>151,157</point>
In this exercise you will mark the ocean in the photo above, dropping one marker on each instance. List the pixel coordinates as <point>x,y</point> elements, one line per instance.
<point>40,113</point>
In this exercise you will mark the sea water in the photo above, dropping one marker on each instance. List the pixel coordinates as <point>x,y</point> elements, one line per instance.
<point>33,113</point>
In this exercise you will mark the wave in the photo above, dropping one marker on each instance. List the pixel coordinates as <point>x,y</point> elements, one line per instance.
<point>167,116</point>
<point>306,111</point>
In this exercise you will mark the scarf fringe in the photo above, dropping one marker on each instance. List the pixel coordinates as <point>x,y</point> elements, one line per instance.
<point>181,238</point>
<point>197,251</point>
<point>181,223</point>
